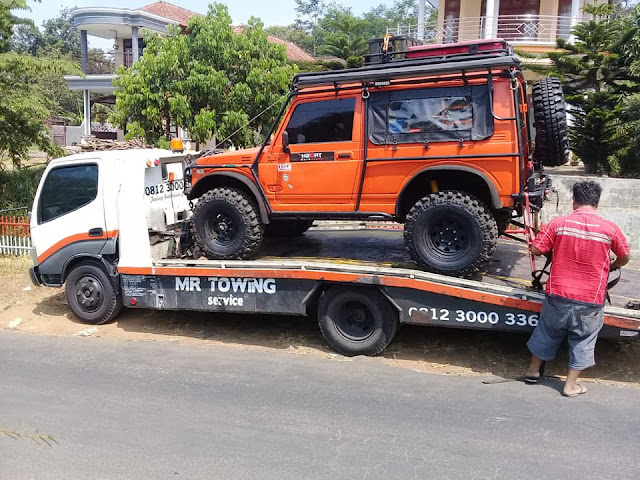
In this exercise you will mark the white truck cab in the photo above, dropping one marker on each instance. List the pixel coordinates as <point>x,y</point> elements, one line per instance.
<point>84,201</point>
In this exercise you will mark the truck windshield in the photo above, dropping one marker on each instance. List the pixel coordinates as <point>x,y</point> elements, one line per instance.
<point>67,188</point>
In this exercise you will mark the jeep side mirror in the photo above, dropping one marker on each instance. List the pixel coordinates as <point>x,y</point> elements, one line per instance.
<point>285,141</point>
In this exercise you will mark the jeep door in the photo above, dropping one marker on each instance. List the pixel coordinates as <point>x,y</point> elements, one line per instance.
<point>321,167</point>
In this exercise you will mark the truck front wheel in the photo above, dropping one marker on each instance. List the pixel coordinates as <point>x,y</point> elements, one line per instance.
<point>450,232</point>
<point>226,224</point>
<point>91,295</point>
<point>357,320</point>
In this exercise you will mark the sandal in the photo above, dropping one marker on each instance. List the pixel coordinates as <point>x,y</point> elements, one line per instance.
<point>573,395</point>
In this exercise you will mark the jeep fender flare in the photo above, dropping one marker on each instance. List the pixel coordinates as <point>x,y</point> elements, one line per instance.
<point>262,202</point>
<point>493,192</point>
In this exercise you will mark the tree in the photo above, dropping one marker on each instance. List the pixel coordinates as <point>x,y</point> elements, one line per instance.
<point>210,81</point>
<point>8,20</point>
<point>58,39</point>
<point>309,14</point>
<point>344,35</point>
<point>293,33</point>
<point>596,75</point>
<point>24,104</point>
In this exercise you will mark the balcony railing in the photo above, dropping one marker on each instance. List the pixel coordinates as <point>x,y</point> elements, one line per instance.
<point>527,29</point>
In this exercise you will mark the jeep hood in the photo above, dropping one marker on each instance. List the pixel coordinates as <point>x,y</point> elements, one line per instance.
<point>245,156</point>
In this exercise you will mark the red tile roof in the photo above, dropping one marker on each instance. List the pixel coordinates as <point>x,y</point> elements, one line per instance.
<point>294,52</point>
<point>170,11</point>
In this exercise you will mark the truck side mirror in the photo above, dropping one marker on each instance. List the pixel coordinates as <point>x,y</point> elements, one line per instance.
<point>285,141</point>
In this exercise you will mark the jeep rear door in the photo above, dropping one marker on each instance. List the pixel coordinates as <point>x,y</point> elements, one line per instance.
<point>321,169</point>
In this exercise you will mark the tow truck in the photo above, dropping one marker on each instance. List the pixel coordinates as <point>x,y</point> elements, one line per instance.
<point>110,227</point>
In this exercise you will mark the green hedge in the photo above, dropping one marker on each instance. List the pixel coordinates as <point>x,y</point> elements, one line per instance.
<point>18,187</point>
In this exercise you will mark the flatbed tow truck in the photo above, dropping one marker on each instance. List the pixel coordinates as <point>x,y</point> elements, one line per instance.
<point>92,230</point>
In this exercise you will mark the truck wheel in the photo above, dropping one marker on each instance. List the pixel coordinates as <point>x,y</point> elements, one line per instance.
<point>356,321</point>
<point>91,294</point>
<point>287,228</point>
<point>450,232</point>
<point>550,113</point>
<point>226,224</point>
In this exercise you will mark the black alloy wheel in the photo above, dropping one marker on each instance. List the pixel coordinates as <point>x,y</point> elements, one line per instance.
<point>92,294</point>
<point>226,224</point>
<point>356,320</point>
<point>451,232</point>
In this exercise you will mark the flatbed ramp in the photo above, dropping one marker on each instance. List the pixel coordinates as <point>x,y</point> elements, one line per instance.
<point>282,283</point>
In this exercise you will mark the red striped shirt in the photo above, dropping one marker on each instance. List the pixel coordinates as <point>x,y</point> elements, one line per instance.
<point>581,243</point>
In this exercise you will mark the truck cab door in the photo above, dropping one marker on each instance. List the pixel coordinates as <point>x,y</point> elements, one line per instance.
<point>68,217</point>
<point>319,168</point>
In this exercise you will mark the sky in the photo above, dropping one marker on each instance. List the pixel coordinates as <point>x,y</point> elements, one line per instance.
<point>271,12</point>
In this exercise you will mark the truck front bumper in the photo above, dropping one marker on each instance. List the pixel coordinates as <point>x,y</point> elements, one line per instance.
<point>34,275</point>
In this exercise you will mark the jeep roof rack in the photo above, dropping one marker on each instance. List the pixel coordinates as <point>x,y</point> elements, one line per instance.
<point>399,48</point>
<point>407,68</point>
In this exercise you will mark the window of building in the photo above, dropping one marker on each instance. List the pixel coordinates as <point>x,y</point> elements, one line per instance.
<point>127,47</point>
<point>451,27</point>
<point>564,19</point>
<point>324,121</point>
<point>66,189</point>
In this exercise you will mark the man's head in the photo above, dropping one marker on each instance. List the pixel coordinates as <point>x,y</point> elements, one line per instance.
<point>586,193</point>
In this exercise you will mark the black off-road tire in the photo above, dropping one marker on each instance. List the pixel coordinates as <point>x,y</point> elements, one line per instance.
<point>91,294</point>
<point>287,228</point>
<point>550,113</point>
<point>356,320</point>
<point>451,232</point>
<point>226,224</point>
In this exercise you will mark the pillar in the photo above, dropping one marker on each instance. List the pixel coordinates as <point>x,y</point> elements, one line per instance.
<point>135,54</point>
<point>84,50</point>
<point>86,101</point>
<point>575,17</point>
<point>421,14</point>
<point>491,12</point>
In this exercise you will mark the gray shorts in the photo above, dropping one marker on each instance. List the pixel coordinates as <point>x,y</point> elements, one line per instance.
<point>578,322</point>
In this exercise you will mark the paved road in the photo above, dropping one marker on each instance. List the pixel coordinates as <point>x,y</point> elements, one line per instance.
<point>146,410</point>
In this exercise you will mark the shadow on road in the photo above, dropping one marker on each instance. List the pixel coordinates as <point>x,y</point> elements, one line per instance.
<point>450,351</point>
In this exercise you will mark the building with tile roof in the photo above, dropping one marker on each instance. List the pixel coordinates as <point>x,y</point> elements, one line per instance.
<point>125,28</point>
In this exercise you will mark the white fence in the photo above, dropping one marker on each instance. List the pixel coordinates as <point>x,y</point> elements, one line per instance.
<point>529,29</point>
<point>15,238</point>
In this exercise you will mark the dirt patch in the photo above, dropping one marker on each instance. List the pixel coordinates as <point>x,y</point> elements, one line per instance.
<point>44,311</point>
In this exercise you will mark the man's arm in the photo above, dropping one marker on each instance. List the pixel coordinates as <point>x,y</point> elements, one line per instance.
<point>543,243</point>
<point>620,248</point>
<point>620,262</point>
<point>535,251</point>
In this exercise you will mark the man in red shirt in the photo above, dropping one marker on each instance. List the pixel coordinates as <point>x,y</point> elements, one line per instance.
<point>574,305</point>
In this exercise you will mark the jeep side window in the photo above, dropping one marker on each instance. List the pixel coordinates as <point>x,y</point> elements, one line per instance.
<point>323,121</point>
<point>66,189</point>
<point>433,114</point>
<point>437,114</point>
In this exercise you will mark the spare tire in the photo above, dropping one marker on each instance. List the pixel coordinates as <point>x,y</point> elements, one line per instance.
<point>550,113</point>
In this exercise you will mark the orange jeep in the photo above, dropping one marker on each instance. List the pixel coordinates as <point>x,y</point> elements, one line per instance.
<point>437,140</point>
